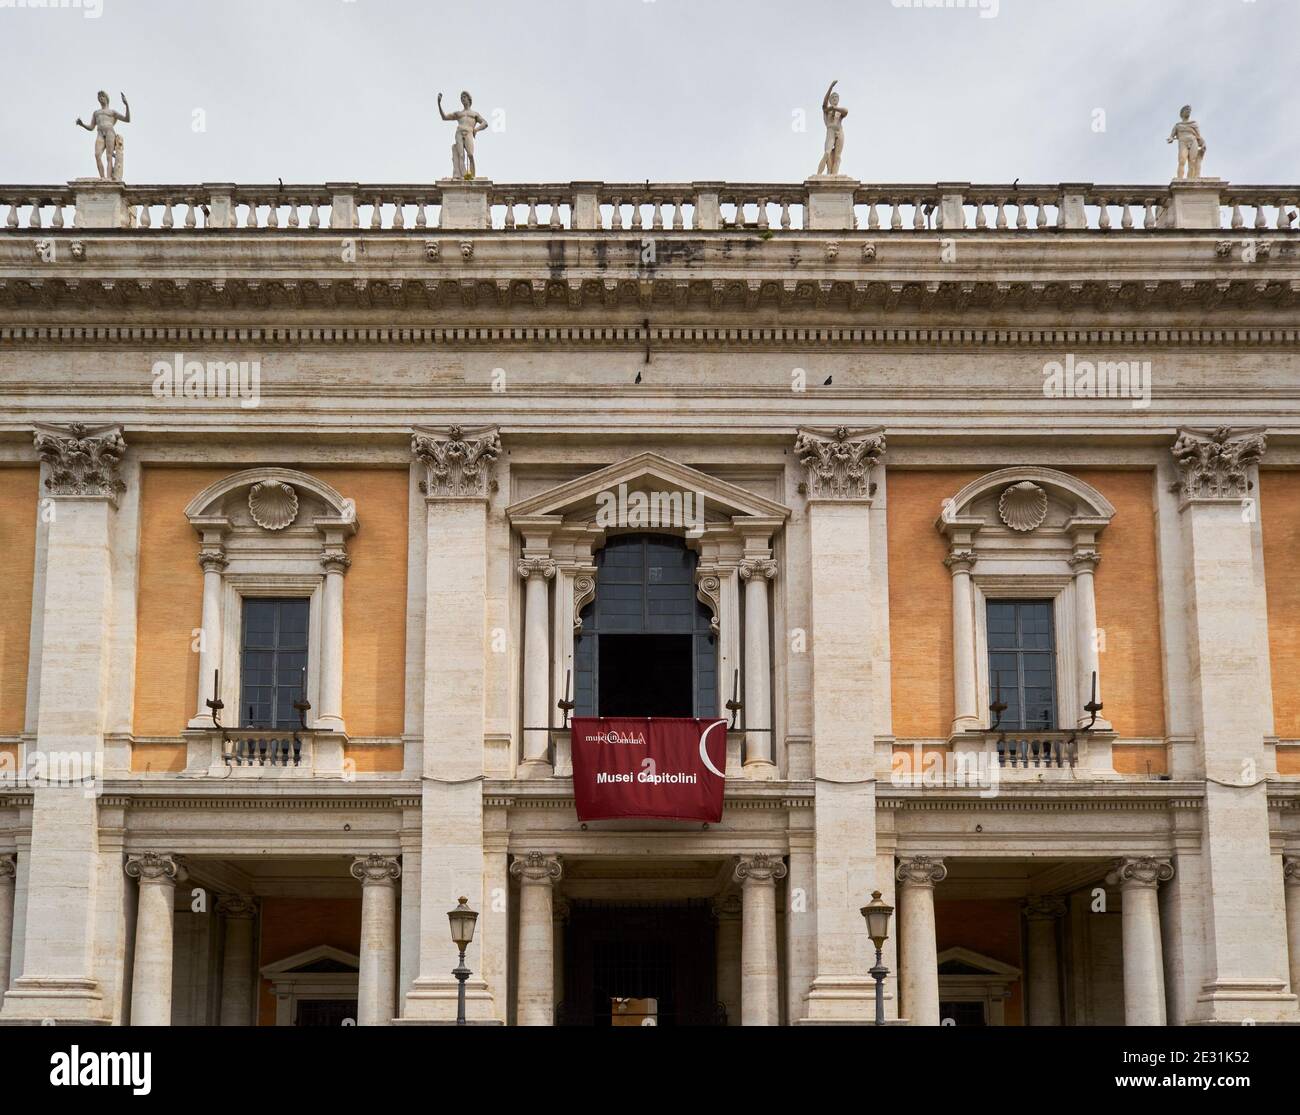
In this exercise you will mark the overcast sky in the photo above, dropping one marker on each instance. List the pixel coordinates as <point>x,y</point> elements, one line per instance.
<point>671,90</point>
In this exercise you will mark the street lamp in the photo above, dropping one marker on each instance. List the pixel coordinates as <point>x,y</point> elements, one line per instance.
<point>462,920</point>
<point>877,913</point>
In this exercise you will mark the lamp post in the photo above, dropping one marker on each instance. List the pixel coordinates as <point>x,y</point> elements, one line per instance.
<point>462,920</point>
<point>877,913</point>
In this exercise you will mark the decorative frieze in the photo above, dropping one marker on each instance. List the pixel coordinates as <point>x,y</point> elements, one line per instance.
<point>921,871</point>
<point>537,867</point>
<point>759,868</point>
<point>1215,464</point>
<point>1141,871</point>
<point>460,464</point>
<point>82,461</point>
<point>376,869</point>
<point>838,462</point>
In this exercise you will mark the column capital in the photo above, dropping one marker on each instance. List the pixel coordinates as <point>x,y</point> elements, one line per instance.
<point>921,871</point>
<point>960,560</point>
<point>1290,871</point>
<point>1141,871</point>
<point>543,567</point>
<point>212,559</point>
<point>1043,907</point>
<point>1213,464</point>
<point>1084,560</point>
<point>335,561</point>
<point>83,461</point>
<point>8,868</point>
<point>237,906</point>
<point>759,868</point>
<point>376,870</point>
<point>460,462</point>
<point>155,867</point>
<point>762,569</point>
<point>537,867</point>
<point>839,461</point>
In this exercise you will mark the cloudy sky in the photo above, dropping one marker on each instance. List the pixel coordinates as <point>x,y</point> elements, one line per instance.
<point>671,90</point>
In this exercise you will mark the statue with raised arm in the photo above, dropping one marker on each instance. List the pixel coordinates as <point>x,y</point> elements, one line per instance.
<point>468,124</point>
<point>1191,147</point>
<point>834,117</point>
<point>108,144</point>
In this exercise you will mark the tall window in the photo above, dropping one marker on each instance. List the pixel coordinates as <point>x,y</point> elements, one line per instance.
<point>644,648</point>
<point>273,661</point>
<point>1022,662</point>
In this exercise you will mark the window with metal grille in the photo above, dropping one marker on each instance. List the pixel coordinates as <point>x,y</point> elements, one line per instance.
<point>1022,662</point>
<point>273,662</point>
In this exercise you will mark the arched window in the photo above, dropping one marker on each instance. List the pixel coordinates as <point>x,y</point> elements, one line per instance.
<point>646,647</point>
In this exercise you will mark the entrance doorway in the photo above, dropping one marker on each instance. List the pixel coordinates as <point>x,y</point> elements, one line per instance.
<point>665,952</point>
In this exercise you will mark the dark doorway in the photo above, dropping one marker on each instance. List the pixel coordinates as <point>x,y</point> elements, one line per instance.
<point>664,952</point>
<point>326,1012</point>
<point>963,1012</point>
<point>646,675</point>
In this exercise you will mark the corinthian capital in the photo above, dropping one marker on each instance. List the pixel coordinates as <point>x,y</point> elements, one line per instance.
<point>838,462</point>
<point>537,867</point>
<point>760,868</point>
<point>460,462</point>
<point>153,867</point>
<point>921,871</point>
<point>82,461</point>
<point>1141,871</point>
<point>376,869</point>
<point>1213,464</point>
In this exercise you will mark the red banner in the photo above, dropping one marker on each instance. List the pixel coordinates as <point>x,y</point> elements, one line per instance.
<point>650,768</point>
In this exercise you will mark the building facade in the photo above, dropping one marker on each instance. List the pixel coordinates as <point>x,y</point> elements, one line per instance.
<point>972,509</point>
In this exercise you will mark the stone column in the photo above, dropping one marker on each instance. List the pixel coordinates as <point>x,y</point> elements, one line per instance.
<point>213,560</point>
<point>155,921</point>
<point>239,912</point>
<point>759,759</point>
<point>1043,912</point>
<point>1144,973</point>
<point>8,873</point>
<point>845,722</point>
<point>458,487</point>
<point>965,703</point>
<point>919,960</point>
<point>1087,643</point>
<point>760,986</point>
<point>1291,874</point>
<point>330,715</point>
<point>377,977</point>
<point>1243,909</point>
<point>727,912</point>
<point>59,935</point>
<point>537,874</point>
<point>537,572</point>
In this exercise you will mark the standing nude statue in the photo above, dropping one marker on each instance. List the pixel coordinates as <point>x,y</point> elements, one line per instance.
<point>468,124</point>
<point>1191,147</point>
<point>834,117</point>
<point>108,144</point>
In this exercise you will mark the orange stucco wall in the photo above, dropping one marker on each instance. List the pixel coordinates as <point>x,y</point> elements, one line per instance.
<point>920,603</point>
<point>1279,497</point>
<point>293,925</point>
<point>171,602</point>
<point>990,927</point>
<point>19,496</point>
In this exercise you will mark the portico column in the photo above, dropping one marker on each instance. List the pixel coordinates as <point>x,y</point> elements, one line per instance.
<point>155,920</point>
<point>759,979</point>
<point>537,874</point>
<point>965,708</point>
<point>377,977</point>
<point>727,910</point>
<point>330,717</point>
<point>759,758</point>
<point>537,571</point>
<point>212,558</point>
<point>1042,912</point>
<point>919,962</point>
<point>8,872</point>
<point>1144,975</point>
<point>239,912</point>
<point>1291,874</point>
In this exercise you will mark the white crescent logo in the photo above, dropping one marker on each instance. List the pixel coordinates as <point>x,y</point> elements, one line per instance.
<point>704,748</point>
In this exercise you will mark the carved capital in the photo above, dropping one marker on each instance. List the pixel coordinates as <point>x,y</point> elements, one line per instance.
<point>537,867</point>
<point>1141,871</point>
<point>1044,907</point>
<point>921,871</point>
<point>82,461</point>
<point>240,906</point>
<point>763,569</point>
<point>335,561</point>
<point>1290,872</point>
<point>838,462</point>
<point>460,464</point>
<point>960,561</point>
<point>8,869</point>
<point>155,867</point>
<point>536,567</point>
<point>212,559</point>
<point>759,868</point>
<point>1084,561</point>
<point>376,870</point>
<point>1213,464</point>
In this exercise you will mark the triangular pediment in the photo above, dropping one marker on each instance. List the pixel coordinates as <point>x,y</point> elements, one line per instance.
<point>967,962</point>
<point>321,959</point>
<point>648,472</point>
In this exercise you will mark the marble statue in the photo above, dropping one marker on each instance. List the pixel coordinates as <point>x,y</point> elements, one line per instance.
<point>108,144</point>
<point>1191,147</point>
<point>468,124</point>
<point>834,117</point>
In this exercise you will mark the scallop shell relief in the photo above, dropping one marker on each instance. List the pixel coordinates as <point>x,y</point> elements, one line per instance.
<point>273,505</point>
<point>1023,506</point>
